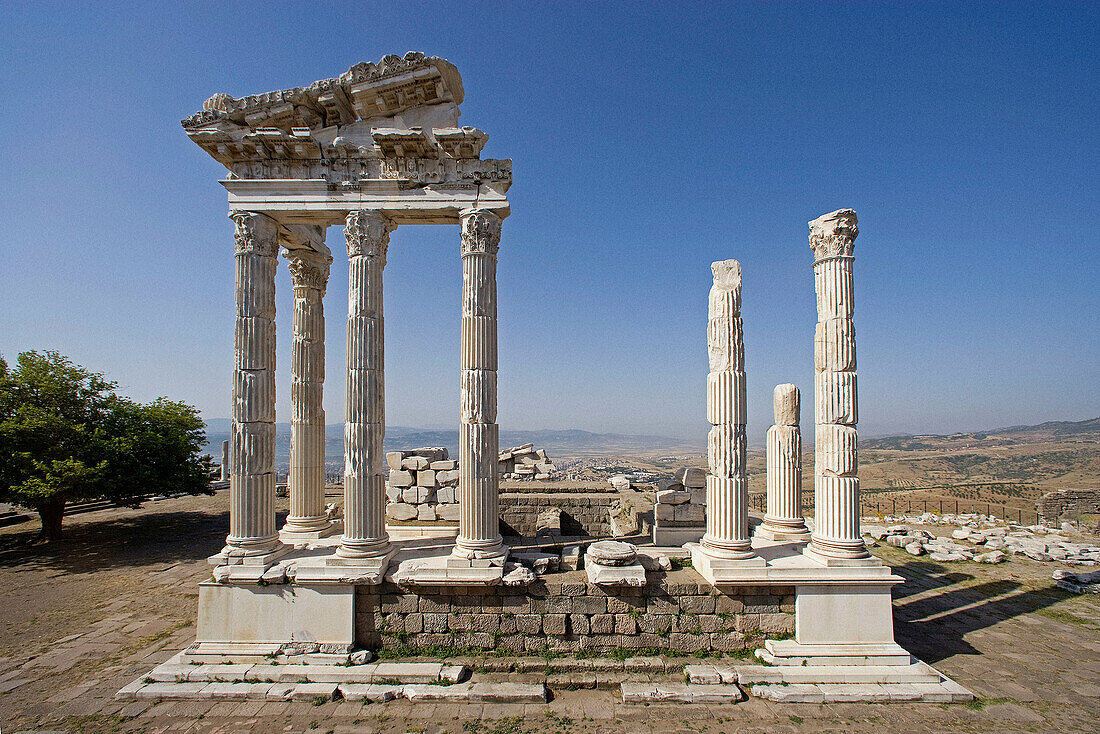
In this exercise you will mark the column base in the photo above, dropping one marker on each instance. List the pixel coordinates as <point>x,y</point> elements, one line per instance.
<point>814,554</point>
<point>724,570</point>
<point>781,534</point>
<point>363,550</point>
<point>449,571</point>
<point>336,570</point>
<point>480,550</point>
<point>261,556</point>
<point>309,531</point>
<point>739,550</point>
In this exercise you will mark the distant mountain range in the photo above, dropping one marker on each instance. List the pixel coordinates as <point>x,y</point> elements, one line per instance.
<point>1052,431</point>
<point>575,443</point>
<point>566,443</point>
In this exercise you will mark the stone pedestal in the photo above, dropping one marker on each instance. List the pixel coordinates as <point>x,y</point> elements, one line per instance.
<point>783,520</point>
<point>252,538</point>
<point>309,272</point>
<point>365,541</point>
<point>836,538</point>
<point>727,538</point>
<point>478,481</point>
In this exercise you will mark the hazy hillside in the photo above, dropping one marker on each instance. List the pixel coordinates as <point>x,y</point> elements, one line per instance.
<point>571,443</point>
<point>1087,431</point>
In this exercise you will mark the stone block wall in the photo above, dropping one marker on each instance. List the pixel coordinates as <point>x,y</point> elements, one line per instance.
<point>585,514</point>
<point>676,612</point>
<point>1069,504</point>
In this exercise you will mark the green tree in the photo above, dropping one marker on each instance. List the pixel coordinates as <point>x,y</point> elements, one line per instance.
<point>65,436</point>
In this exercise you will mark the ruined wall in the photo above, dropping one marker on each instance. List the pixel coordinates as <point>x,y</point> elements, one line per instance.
<point>583,514</point>
<point>1070,504</point>
<point>677,612</point>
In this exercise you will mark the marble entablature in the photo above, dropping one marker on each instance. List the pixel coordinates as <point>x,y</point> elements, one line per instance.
<point>394,121</point>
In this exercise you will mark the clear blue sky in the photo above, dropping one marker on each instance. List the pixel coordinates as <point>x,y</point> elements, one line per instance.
<point>648,139</point>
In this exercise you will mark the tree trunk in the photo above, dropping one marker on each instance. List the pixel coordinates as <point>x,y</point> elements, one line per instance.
<point>51,515</point>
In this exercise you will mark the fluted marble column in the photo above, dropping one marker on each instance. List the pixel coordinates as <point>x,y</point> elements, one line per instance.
<point>368,236</point>
<point>478,481</point>
<point>783,520</point>
<point>836,533</point>
<point>309,271</point>
<point>727,535</point>
<point>252,533</point>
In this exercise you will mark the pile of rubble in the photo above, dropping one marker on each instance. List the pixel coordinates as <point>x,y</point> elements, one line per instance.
<point>679,515</point>
<point>995,544</point>
<point>972,520</point>
<point>525,462</point>
<point>1078,583</point>
<point>423,485</point>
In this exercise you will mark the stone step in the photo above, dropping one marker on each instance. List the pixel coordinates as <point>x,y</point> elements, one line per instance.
<point>483,692</point>
<point>710,674</point>
<point>571,665</point>
<point>649,692</point>
<point>173,672</point>
<point>946,691</point>
<point>916,673</point>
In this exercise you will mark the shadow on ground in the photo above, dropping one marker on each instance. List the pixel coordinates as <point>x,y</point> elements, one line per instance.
<point>143,538</point>
<point>933,627</point>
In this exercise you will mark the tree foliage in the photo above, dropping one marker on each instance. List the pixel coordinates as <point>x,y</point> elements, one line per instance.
<point>66,436</point>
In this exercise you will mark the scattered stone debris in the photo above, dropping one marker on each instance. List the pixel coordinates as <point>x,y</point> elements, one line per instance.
<point>679,516</point>
<point>1078,583</point>
<point>999,542</point>
<point>525,462</point>
<point>422,485</point>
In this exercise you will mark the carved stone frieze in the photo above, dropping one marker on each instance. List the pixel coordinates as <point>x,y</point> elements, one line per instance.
<point>834,234</point>
<point>256,233</point>
<point>480,232</point>
<point>364,91</point>
<point>368,233</point>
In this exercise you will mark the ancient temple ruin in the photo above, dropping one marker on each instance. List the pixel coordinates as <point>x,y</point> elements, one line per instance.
<point>378,147</point>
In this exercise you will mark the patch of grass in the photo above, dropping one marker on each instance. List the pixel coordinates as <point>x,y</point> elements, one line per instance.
<point>1061,615</point>
<point>980,703</point>
<point>794,719</point>
<point>679,564</point>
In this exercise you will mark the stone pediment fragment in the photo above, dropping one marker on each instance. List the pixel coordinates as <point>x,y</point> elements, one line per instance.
<point>365,91</point>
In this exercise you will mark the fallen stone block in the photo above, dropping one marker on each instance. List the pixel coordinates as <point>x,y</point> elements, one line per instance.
<point>373,692</point>
<point>401,511</point>
<point>183,691</point>
<point>479,692</point>
<point>673,496</point>
<point>401,478</point>
<point>793,693</point>
<point>314,691</point>
<point>854,692</point>
<point>647,692</point>
<point>243,691</point>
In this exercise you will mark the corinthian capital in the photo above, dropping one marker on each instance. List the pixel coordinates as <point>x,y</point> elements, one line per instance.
<point>834,234</point>
<point>256,233</point>
<point>480,232</point>
<point>368,233</point>
<point>308,269</point>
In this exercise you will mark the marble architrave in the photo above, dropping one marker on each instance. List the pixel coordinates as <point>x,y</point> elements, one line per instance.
<point>836,538</point>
